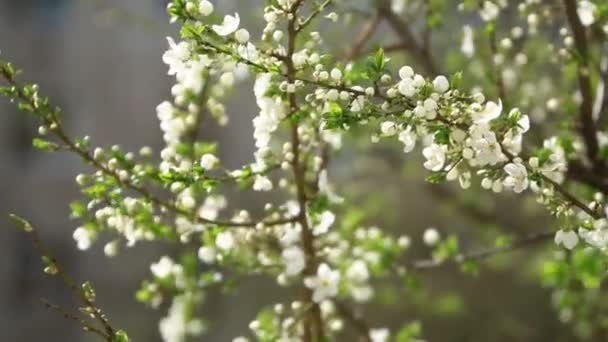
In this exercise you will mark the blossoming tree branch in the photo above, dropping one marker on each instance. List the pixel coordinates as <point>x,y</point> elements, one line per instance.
<point>309,96</point>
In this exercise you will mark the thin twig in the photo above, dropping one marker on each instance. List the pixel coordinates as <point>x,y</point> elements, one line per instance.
<point>88,157</point>
<point>57,269</point>
<point>486,253</point>
<point>364,36</point>
<point>588,124</point>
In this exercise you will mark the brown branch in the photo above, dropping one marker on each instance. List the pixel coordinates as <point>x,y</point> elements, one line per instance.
<point>578,172</point>
<point>313,322</point>
<point>529,241</point>
<point>588,125</point>
<point>317,11</point>
<point>57,269</point>
<point>500,84</point>
<point>51,120</point>
<point>364,36</point>
<point>67,315</point>
<point>401,28</point>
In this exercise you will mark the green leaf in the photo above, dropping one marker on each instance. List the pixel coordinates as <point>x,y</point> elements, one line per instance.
<point>22,223</point>
<point>121,336</point>
<point>379,59</point>
<point>436,178</point>
<point>45,145</point>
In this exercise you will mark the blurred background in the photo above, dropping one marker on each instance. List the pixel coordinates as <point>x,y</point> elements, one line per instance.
<point>100,60</point>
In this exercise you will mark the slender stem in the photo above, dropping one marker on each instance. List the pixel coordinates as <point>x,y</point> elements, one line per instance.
<point>313,324</point>
<point>50,119</point>
<point>419,51</point>
<point>318,10</point>
<point>67,315</point>
<point>500,84</point>
<point>65,277</point>
<point>364,36</point>
<point>588,124</point>
<point>486,253</point>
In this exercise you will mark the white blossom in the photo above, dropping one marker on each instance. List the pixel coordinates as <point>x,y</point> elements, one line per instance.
<point>388,128</point>
<point>379,335</point>
<point>163,267</point>
<point>597,237</point>
<point>357,272</point>
<point>207,254</point>
<point>431,236</point>
<point>441,84</point>
<point>408,138</point>
<point>435,157</point>
<point>326,221</point>
<point>208,161</point>
<point>83,238</point>
<point>176,56</point>
<point>242,36</point>
<point>568,239</point>
<point>490,112</point>
<point>205,8</point>
<point>225,241</point>
<point>468,41</point>
<point>324,284</point>
<point>294,260</point>
<point>587,12</point>
<point>517,177</point>
<point>262,183</point>
<point>228,26</point>
<point>489,11</point>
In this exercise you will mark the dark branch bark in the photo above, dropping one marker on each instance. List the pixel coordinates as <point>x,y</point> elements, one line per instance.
<point>416,48</point>
<point>588,127</point>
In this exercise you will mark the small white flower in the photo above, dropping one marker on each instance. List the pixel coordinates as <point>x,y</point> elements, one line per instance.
<point>111,249</point>
<point>333,16</point>
<point>408,138</point>
<point>388,128</point>
<point>206,254</point>
<point>358,272</point>
<point>242,36</point>
<point>431,236</point>
<point>262,183</point>
<point>406,72</point>
<point>83,238</point>
<point>490,112</point>
<point>597,237</point>
<point>489,11</point>
<point>517,177</point>
<point>224,241</point>
<point>468,41</point>
<point>176,56</point>
<point>208,161</point>
<point>435,157</point>
<point>568,239</point>
<point>327,219</point>
<point>324,284</point>
<point>336,74</point>
<point>205,8</point>
<point>294,260</point>
<point>406,87</point>
<point>398,6</point>
<point>379,335</point>
<point>586,12</point>
<point>441,84</point>
<point>163,267</point>
<point>228,26</point>
<point>362,294</point>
